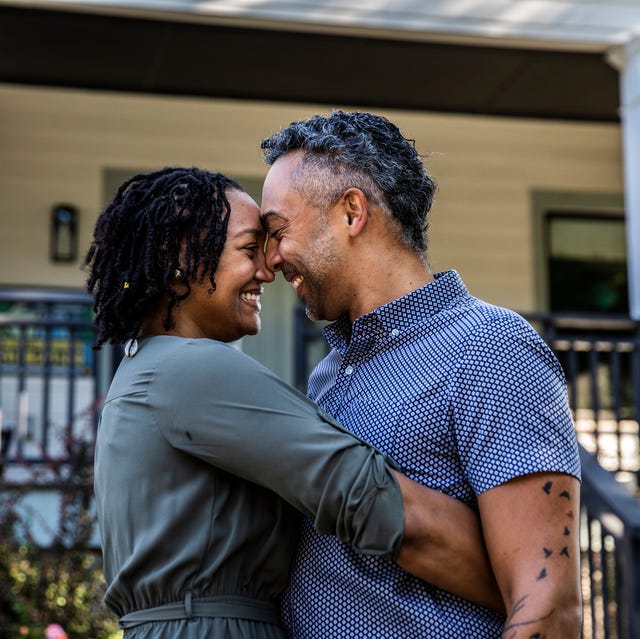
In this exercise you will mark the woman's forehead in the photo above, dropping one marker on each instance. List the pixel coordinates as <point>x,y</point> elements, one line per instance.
<point>245,214</point>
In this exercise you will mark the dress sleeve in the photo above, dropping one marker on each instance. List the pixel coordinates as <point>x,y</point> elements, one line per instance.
<point>221,406</point>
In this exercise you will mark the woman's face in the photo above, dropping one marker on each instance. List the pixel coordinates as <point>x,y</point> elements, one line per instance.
<point>233,309</point>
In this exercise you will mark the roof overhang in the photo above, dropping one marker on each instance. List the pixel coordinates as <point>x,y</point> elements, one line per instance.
<point>586,25</point>
<point>532,58</point>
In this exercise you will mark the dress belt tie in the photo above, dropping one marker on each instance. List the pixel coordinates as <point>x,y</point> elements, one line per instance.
<point>226,606</point>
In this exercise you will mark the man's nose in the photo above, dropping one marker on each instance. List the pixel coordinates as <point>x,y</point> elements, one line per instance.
<point>263,272</point>
<point>272,255</point>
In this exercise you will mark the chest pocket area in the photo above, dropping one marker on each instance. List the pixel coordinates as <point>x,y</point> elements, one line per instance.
<point>413,427</point>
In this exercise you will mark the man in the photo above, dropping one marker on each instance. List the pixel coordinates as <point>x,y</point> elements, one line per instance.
<point>464,395</point>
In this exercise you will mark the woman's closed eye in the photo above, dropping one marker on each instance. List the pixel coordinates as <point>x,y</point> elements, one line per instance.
<point>251,250</point>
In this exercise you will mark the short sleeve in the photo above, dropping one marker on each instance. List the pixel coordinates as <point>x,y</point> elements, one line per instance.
<point>510,409</point>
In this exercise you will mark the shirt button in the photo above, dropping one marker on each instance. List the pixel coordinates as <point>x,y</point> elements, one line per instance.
<point>395,332</point>
<point>348,370</point>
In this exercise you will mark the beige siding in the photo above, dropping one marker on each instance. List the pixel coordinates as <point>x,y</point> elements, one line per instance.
<point>487,169</point>
<point>55,146</point>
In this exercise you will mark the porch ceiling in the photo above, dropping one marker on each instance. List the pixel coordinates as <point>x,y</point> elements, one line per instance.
<point>108,52</point>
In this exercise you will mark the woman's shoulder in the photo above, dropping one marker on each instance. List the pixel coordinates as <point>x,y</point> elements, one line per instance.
<point>192,369</point>
<point>175,354</point>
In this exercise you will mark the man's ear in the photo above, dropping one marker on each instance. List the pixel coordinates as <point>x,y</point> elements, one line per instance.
<point>356,210</point>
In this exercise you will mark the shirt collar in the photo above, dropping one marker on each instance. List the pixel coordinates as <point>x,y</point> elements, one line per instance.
<point>401,313</point>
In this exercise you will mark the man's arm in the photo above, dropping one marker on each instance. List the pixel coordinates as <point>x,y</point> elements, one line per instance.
<point>443,545</point>
<point>531,529</point>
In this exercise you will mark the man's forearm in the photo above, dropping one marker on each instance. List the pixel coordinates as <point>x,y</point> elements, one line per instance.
<point>531,528</point>
<point>443,545</point>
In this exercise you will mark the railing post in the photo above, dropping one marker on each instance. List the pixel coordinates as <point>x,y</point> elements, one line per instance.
<point>634,582</point>
<point>635,377</point>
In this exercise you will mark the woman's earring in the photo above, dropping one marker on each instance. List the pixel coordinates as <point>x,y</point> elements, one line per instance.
<point>131,347</point>
<point>177,274</point>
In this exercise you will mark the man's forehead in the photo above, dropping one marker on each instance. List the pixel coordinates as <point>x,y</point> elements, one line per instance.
<point>279,203</point>
<point>282,170</point>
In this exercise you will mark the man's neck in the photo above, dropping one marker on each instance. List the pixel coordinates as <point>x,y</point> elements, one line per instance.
<point>388,279</point>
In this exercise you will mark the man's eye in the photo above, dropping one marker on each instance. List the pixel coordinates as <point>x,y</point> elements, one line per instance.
<point>251,249</point>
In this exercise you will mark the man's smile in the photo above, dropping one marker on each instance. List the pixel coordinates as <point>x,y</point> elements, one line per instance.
<point>293,277</point>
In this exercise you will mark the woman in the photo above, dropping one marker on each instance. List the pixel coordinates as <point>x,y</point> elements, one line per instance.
<point>195,437</point>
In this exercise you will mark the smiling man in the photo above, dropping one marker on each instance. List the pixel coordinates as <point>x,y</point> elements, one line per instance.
<point>465,396</point>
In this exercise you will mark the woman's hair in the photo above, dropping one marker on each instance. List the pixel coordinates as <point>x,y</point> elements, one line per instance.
<point>161,227</point>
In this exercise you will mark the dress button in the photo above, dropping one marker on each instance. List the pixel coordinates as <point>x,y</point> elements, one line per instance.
<point>395,332</point>
<point>348,370</point>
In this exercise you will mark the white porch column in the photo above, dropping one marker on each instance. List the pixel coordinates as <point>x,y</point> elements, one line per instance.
<point>626,59</point>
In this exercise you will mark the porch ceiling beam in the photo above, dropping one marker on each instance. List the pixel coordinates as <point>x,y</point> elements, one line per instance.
<point>566,24</point>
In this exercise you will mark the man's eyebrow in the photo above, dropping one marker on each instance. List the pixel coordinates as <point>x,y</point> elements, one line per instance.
<point>266,217</point>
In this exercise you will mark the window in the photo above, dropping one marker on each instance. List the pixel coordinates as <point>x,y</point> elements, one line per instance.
<point>580,252</point>
<point>586,263</point>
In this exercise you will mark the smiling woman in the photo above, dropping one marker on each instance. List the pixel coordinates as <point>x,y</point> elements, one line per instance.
<point>198,442</point>
<point>234,310</point>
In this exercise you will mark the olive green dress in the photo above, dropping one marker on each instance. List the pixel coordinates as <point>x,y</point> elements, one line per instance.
<point>202,456</point>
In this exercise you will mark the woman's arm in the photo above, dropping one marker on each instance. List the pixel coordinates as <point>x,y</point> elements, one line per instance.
<point>242,418</point>
<point>443,545</point>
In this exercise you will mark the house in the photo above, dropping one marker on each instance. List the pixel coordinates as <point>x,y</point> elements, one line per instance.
<point>528,112</point>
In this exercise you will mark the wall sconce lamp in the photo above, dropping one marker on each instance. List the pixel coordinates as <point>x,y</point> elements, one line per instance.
<point>64,233</point>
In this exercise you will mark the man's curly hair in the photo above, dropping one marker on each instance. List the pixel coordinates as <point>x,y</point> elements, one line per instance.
<point>158,222</point>
<point>363,150</point>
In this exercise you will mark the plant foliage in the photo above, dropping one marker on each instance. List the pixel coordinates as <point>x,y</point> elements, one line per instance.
<point>61,583</point>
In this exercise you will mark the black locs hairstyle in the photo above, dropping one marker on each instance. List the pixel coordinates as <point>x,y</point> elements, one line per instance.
<point>157,223</point>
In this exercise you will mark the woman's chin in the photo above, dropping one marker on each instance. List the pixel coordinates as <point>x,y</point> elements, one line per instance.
<point>253,329</point>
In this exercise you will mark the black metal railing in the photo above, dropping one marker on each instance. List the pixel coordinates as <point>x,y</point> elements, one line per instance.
<point>51,383</point>
<point>601,360</point>
<point>610,555</point>
<point>49,374</point>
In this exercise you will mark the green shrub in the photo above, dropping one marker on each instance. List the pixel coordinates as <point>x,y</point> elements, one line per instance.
<point>62,583</point>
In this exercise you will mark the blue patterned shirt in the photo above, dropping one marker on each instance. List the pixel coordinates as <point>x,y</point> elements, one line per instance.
<point>464,396</point>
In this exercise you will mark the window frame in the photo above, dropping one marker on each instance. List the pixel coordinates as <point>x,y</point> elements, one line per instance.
<point>578,204</point>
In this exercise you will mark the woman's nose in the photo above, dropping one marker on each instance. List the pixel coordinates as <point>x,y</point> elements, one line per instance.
<point>265,275</point>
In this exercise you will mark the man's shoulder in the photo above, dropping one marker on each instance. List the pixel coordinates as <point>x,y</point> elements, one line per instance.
<point>477,317</point>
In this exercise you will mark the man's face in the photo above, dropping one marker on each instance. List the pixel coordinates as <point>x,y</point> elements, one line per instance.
<point>301,242</point>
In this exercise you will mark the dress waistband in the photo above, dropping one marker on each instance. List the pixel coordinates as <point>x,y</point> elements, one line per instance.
<point>227,606</point>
